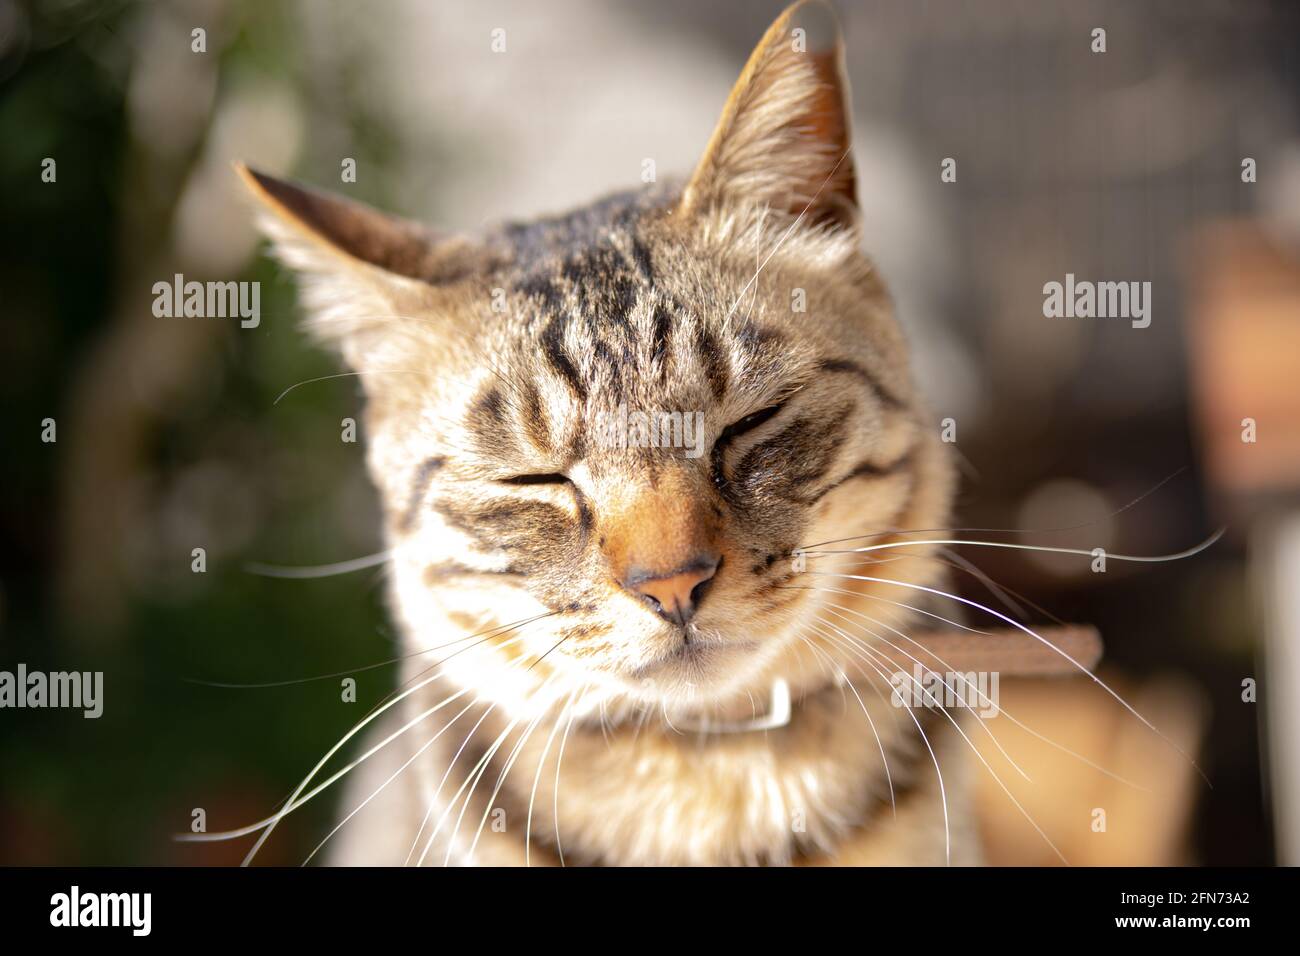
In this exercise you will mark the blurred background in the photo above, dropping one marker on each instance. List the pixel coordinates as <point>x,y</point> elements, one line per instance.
<point>1127,165</point>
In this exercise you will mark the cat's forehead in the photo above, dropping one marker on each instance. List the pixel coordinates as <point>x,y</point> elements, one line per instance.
<point>612,305</point>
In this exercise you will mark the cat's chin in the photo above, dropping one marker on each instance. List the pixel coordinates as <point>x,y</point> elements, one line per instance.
<point>696,672</point>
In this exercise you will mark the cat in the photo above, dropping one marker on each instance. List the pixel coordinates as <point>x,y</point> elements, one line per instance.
<point>621,652</point>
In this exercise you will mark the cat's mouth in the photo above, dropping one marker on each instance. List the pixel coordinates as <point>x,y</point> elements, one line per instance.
<point>697,658</point>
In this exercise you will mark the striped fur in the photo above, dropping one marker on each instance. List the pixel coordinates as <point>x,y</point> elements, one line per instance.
<point>487,361</point>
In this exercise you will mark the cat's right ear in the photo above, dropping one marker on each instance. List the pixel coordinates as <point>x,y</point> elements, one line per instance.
<point>360,268</point>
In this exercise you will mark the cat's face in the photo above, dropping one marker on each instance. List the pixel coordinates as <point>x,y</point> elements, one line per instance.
<point>629,418</point>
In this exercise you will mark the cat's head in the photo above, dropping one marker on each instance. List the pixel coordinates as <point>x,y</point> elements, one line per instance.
<point>629,417</point>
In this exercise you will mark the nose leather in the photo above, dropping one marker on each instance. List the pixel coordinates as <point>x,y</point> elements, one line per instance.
<point>676,595</point>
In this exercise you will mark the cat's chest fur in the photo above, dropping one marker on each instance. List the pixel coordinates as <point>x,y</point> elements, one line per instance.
<point>815,792</point>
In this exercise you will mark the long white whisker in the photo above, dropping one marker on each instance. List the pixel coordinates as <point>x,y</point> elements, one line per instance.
<point>480,767</point>
<point>954,560</point>
<point>559,762</point>
<point>1038,637</point>
<point>884,600</point>
<point>433,798</point>
<point>1012,546</point>
<point>443,780</point>
<point>541,764</point>
<point>319,570</point>
<point>472,781</point>
<point>975,750</point>
<point>266,833</point>
<point>889,779</point>
<point>836,610</point>
<point>505,771</point>
<point>943,793</point>
<point>1001,710</point>
<point>489,632</point>
<point>1075,527</point>
<point>429,743</point>
<point>326,378</point>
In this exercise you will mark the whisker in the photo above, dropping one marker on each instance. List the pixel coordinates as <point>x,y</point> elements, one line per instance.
<point>541,764</point>
<point>441,783</point>
<point>415,756</point>
<point>266,833</point>
<point>833,609</point>
<point>1087,524</point>
<point>319,570</point>
<point>367,667</point>
<point>943,793</point>
<point>884,600</point>
<point>1001,710</point>
<point>291,804</point>
<point>480,767</point>
<point>997,589</point>
<point>486,762</point>
<point>1147,559</point>
<point>325,378</point>
<point>559,762</point>
<point>844,680</point>
<point>471,780</point>
<point>1020,627</point>
<point>975,750</point>
<point>952,559</point>
<point>786,234</point>
<point>295,802</point>
<point>501,778</point>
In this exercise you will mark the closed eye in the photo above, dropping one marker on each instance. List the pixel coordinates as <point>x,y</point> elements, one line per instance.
<point>552,478</point>
<point>748,423</point>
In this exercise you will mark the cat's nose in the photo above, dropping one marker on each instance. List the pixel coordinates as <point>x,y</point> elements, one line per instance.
<point>675,596</point>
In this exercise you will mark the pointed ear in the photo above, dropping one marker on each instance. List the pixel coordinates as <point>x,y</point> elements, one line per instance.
<point>361,268</point>
<point>783,140</point>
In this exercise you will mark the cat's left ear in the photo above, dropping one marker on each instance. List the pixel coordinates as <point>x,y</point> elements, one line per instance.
<point>783,139</point>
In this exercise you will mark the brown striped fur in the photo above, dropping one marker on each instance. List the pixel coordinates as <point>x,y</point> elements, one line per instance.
<point>486,362</point>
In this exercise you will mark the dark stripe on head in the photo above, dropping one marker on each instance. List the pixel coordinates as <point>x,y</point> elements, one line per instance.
<point>541,287</point>
<point>616,364</point>
<point>419,485</point>
<point>868,469</point>
<point>553,350</point>
<point>639,255</point>
<point>663,326</point>
<point>714,360</point>
<point>758,342</point>
<point>578,273</point>
<point>487,420</point>
<point>536,423</point>
<point>849,367</point>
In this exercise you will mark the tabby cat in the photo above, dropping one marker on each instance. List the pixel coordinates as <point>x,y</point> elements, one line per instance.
<point>617,651</point>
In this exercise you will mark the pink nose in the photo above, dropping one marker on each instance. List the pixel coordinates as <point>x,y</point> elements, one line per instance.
<point>675,596</point>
